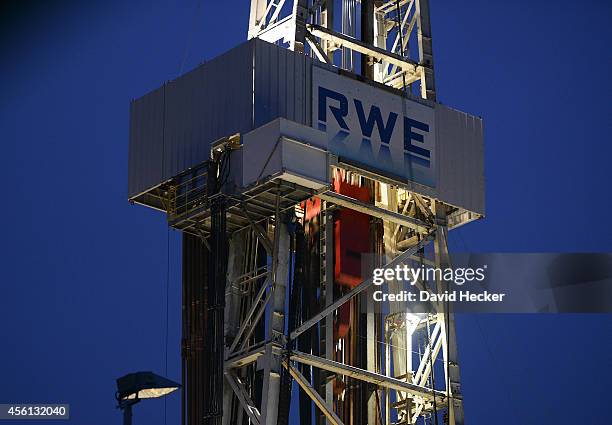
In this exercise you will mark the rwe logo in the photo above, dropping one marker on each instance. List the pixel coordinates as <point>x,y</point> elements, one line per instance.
<point>374,119</point>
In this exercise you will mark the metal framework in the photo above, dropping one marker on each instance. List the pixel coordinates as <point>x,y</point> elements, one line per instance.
<point>406,351</point>
<point>403,365</point>
<point>397,367</point>
<point>394,41</point>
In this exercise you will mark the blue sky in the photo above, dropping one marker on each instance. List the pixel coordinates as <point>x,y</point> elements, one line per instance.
<point>83,273</point>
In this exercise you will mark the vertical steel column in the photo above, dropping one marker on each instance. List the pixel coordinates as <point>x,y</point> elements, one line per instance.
<point>127,414</point>
<point>372,317</point>
<point>235,265</point>
<point>428,86</point>
<point>195,374</point>
<point>276,323</point>
<point>300,15</point>
<point>327,21</point>
<point>449,342</point>
<point>258,12</point>
<point>367,36</point>
<point>217,271</point>
<point>348,28</point>
<point>387,340</point>
<point>380,41</point>
<point>327,217</point>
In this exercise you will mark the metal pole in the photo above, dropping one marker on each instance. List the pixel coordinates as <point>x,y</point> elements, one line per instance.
<point>449,342</point>
<point>127,414</point>
<point>236,259</point>
<point>367,36</point>
<point>217,275</point>
<point>328,219</point>
<point>272,366</point>
<point>428,87</point>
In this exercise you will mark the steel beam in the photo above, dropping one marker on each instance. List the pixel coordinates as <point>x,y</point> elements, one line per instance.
<point>259,231</point>
<point>435,343</point>
<point>244,358</point>
<point>245,401</point>
<point>327,216</point>
<point>276,321</point>
<point>246,323</point>
<point>425,367</point>
<point>300,15</point>
<point>235,265</point>
<point>357,205</point>
<point>314,395</point>
<point>251,326</point>
<point>366,49</point>
<point>428,87</point>
<point>368,376</point>
<point>317,49</point>
<point>256,17</point>
<point>447,318</point>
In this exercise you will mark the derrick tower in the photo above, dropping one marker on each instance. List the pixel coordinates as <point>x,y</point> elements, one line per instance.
<point>294,165</point>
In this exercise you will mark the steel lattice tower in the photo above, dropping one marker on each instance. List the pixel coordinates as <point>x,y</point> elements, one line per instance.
<point>394,46</point>
<point>294,165</point>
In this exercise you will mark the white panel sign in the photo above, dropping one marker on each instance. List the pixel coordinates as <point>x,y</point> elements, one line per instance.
<point>371,126</point>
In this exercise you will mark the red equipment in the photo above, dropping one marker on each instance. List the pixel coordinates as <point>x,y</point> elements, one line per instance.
<point>351,235</point>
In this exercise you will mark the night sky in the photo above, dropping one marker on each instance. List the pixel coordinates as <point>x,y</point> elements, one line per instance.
<point>83,274</point>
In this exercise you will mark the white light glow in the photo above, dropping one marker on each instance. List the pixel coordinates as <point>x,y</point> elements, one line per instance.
<point>151,393</point>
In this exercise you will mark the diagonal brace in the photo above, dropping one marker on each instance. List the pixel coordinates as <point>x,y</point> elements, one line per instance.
<point>369,376</point>
<point>358,289</point>
<point>249,315</point>
<point>259,231</point>
<point>313,394</point>
<point>245,401</point>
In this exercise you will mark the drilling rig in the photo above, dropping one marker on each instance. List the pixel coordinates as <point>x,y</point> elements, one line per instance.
<point>294,165</point>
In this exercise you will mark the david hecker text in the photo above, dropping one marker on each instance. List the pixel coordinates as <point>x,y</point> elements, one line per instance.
<point>452,296</point>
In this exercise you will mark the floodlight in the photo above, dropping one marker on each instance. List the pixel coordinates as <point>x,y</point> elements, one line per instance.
<point>137,386</point>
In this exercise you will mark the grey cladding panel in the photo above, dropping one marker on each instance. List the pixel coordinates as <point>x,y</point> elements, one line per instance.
<point>204,105</point>
<point>461,161</point>
<point>146,142</point>
<point>282,84</point>
<point>172,127</point>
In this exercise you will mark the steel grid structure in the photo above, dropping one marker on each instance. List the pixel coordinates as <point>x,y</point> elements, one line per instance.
<point>260,302</point>
<point>394,43</point>
<point>395,49</point>
<point>258,339</point>
<point>254,181</point>
<point>408,392</point>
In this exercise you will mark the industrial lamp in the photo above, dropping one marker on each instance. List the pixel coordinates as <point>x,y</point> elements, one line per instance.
<point>134,387</point>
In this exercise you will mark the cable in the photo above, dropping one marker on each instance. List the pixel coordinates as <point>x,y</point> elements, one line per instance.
<point>189,37</point>
<point>498,369</point>
<point>167,315</point>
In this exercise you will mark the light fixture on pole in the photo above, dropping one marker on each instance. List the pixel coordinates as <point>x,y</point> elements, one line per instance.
<point>134,387</point>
